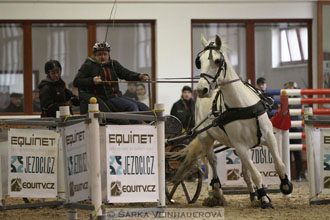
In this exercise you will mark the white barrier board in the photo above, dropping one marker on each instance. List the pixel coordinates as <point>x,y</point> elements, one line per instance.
<point>230,166</point>
<point>76,161</point>
<point>325,161</point>
<point>33,163</point>
<point>131,163</point>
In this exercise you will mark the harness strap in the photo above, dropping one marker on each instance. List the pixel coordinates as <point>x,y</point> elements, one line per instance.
<point>215,111</point>
<point>190,134</point>
<point>233,114</point>
<point>258,133</point>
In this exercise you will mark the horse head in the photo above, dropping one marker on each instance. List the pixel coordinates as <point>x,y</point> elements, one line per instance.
<point>211,62</point>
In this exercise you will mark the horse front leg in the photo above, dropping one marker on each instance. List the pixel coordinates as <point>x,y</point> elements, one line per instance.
<point>244,155</point>
<point>248,180</point>
<point>216,196</point>
<point>286,186</point>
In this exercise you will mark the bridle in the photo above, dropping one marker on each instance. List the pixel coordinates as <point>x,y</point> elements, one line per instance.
<point>222,65</point>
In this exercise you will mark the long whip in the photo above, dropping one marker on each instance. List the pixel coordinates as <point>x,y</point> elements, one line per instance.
<point>113,20</point>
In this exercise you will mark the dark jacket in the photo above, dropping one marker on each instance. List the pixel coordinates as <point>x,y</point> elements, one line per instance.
<point>53,95</point>
<point>13,108</point>
<point>185,112</point>
<point>110,71</point>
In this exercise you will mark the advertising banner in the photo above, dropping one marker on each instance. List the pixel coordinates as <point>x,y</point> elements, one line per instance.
<point>76,161</point>
<point>230,166</point>
<point>131,163</point>
<point>325,160</point>
<point>33,163</point>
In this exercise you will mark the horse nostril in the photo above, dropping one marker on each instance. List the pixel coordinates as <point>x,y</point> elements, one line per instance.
<point>205,90</point>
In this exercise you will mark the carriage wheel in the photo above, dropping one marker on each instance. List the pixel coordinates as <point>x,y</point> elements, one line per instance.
<point>192,192</point>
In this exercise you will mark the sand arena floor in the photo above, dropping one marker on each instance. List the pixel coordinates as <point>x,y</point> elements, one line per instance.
<point>238,207</point>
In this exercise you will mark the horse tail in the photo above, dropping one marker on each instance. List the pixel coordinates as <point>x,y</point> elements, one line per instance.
<point>189,157</point>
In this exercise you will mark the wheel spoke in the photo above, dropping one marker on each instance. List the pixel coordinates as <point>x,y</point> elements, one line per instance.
<point>175,186</point>
<point>185,190</point>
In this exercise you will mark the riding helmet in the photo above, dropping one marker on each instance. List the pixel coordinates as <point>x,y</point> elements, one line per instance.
<point>101,46</point>
<point>52,65</point>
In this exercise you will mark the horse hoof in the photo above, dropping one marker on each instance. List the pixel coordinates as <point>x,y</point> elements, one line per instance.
<point>254,199</point>
<point>255,203</point>
<point>286,188</point>
<point>266,205</point>
<point>253,196</point>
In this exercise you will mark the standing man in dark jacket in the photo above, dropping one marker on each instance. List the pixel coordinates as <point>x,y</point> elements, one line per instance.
<point>184,109</point>
<point>53,92</point>
<point>98,77</point>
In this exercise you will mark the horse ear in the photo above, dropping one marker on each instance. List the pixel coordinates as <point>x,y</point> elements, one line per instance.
<point>204,41</point>
<point>218,41</point>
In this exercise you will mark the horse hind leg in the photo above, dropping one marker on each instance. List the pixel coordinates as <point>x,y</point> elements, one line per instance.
<point>248,180</point>
<point>286,186</point>
<point>244,155</point>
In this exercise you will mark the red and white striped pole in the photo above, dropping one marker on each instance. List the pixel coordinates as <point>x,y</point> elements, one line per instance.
<point>298,92</point>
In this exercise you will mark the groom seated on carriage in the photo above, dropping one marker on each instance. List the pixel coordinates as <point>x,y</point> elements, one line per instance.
<point>98,77</point>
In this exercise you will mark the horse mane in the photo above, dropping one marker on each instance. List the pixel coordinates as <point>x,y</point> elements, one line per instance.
<point>224,49</point>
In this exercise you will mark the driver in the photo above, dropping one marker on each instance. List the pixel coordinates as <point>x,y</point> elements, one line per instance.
<point>98,77</point>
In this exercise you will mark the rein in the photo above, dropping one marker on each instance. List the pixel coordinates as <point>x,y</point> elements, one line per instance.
<point>229,82</point>
<point>149,81</point>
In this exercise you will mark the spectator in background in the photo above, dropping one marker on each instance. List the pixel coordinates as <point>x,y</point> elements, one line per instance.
<point>142,94</point>
<point>131,91</point>
<point>262,85</point>
<point>36,101</point>
<point>296,154</point>
<point>184,109</point>
<point>16,103</point>
<point>53,91</point>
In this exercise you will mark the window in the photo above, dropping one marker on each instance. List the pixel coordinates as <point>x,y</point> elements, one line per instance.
<point>254,48</point>
<point>64,42</point>
<point>277,45</point>
<point>70,42</point>
<point>11,68</point>
<point>293,44</point>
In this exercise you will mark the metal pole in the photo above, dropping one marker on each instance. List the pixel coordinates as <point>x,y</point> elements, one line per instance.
<point>64,112</point>
<point>94,142</point>
<point>161,157</point>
